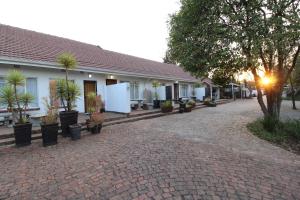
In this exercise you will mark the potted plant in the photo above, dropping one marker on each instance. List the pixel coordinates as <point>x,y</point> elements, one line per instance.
<point>188,108</point>
<point>49,125</point>
<point>67,91</point>
<point>192,103</point>
<point>96,116</point>
<point>208,102</point>
<point>156,102</point>
<point>17,102</point>
<point>166,107</point>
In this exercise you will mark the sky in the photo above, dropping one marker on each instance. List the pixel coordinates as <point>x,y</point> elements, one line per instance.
<point>134,27</point>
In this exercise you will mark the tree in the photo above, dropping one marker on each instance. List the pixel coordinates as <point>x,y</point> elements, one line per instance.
<point>222,77</point>
<point>67,88</point>
<point>167,59</point>
<point>16,101</point>
<point>239,35</point>
<point>295,83</point>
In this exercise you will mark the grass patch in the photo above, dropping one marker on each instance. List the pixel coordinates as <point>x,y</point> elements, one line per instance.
<point>297,98</point>
<point>285,134</point>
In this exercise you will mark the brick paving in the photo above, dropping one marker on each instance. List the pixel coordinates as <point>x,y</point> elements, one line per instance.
<point>206,154</point>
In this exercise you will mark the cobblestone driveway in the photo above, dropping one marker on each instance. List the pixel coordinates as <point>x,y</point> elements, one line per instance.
<point>206,154</point>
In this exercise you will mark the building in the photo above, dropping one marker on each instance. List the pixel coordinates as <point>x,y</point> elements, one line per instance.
<point>106,72</point>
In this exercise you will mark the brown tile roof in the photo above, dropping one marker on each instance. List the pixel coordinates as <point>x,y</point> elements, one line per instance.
<point>30,45</point>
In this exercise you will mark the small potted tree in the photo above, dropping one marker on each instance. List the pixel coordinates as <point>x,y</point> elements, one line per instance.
<point>192,103</point>
<point>49,125</point>
<point>166,107</point>
<point>68,92</point>
<point>208,102</point>
<point>156,102</point>
<point>17,102</point>
<point>95,105</point>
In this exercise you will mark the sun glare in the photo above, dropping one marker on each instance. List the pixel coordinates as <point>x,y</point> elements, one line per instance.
<point>266,81</point>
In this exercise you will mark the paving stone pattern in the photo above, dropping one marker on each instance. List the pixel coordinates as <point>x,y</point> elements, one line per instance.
<point>206,154</point>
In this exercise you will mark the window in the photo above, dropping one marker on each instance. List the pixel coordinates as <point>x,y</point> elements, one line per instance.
<point>2,84</point>
<point>29,87</point>
<point>134,90</point>
<point>184,90</point>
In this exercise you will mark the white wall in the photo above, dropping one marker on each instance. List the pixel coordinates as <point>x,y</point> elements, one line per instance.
<point>45,75</point>
<point>118,98</point>
<point>161,91</point>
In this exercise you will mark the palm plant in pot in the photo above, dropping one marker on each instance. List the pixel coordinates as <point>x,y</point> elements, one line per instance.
<point>68,92</point>
<point>17,103</point>
<point>156,102</point>
<point>95,105</point>
<point>49,125</point>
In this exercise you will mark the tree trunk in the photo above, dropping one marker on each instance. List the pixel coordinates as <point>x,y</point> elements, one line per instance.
<point>68,92</point>
<point>273,102</point>
<point>293,94</point>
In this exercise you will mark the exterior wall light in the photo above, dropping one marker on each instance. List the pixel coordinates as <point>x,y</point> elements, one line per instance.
<point>90,75</point>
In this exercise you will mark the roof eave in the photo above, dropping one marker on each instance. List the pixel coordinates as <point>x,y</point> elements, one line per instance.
<point>42,64</point>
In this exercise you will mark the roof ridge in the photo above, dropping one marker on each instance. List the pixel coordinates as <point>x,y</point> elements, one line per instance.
<point>47,34</point>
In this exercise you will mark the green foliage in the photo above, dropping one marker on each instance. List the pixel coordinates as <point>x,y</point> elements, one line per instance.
<point>15,78</point>
<point>52,112</point>
<point>73,94</point>
<point>67,93</point>
<point>67,60</point>
<point>26,99</point>
<point>61,88</point>
<point>191,103</point>
<point>167,104</point>
<point>286,134</point>
<point>7,97</point>
<point>68,90</point>
<point>91,104</point>
<point>155,85</point>
<point>222,77</point>
<point>270,123</point>
<point>15,101</point>
<point>233,36</point>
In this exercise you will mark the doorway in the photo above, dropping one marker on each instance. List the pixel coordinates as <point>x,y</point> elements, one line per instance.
<point>111,81</point>
<point>169,92</point>
<point>176,91</point>
<point>89,86</point>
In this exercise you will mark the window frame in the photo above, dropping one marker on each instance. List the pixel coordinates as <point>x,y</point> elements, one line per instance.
<point>184,90</point>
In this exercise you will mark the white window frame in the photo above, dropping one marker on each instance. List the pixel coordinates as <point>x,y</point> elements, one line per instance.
<point>24,88</point>
<point>184,90</point>
<point>135,90</point>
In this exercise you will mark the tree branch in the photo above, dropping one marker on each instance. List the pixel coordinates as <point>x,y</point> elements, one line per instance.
<point>259,93</point>
<point>293,64</point>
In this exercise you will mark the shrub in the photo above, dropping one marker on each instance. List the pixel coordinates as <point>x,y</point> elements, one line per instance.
<point>285,134</point>
<point>191,103</point>
<point>52,112</point>
<point>270,123</point>
<point>167,104</point>
<point>16,101</point>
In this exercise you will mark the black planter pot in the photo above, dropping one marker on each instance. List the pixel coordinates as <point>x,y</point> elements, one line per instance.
<point>156,103</point>
<point>99,128</point>
<point>75,131</point>
<point>67,118</point>
<point>22,133</point>
<point>49,134</point>
<point>96,129</point>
